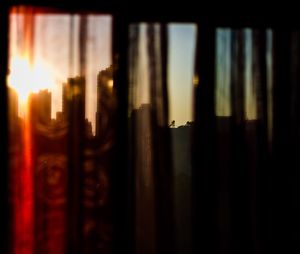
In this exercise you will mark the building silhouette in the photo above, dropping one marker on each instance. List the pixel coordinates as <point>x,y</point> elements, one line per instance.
<point>182,171</point>
<point>73,97</point>
<point>57,147</point>
<point>65,97</point>
<point>13,115</point>
<point>105,99</point>
<point>13,104</point>
<point>40,107</point>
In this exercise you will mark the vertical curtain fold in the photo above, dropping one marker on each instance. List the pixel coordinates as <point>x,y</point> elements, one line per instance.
<point>151,154</point>
<point>204,182</point>
<point>157,55</point>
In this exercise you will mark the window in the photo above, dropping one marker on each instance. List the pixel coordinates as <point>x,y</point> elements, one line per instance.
<point>95,163</point>
<point>61,126</point>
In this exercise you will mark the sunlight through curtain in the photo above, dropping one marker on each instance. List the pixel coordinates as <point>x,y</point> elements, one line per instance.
<point>61,131</point>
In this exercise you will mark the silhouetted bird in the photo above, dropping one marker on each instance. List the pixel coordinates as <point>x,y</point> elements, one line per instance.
<point>172,124</point>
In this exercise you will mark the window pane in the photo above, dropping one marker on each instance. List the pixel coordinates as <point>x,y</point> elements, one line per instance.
<point>61,125</point>
<point>244,126</point>
<point>182,42</point>
<point>161,68</point>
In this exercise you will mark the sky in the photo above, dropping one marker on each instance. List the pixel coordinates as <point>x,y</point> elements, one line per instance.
<point>223,73</point>
<point>52,46</point>
<point>181,51</point>
<point>182,39</point>
<point>57,50</point>
<point>223,79</point>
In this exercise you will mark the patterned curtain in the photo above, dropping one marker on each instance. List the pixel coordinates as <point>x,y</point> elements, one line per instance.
<point>61,132</point>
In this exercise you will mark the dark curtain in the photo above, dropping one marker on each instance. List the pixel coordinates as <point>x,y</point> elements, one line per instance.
<point>150,156</point>
<point>245,171</point>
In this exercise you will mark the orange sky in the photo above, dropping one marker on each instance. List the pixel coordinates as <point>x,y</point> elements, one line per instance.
<point>54,48</point>
<point>50,49</point>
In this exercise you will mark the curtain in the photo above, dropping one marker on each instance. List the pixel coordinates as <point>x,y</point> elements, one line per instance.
<point>234,141</point>
<point>61,131</point>
<point>150,148</point>
<point>243,138</point>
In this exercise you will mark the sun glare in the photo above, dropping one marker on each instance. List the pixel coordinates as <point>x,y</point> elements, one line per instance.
<point>26,78</point>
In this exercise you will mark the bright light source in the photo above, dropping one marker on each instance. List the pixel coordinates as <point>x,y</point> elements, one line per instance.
<point>26,79</point>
